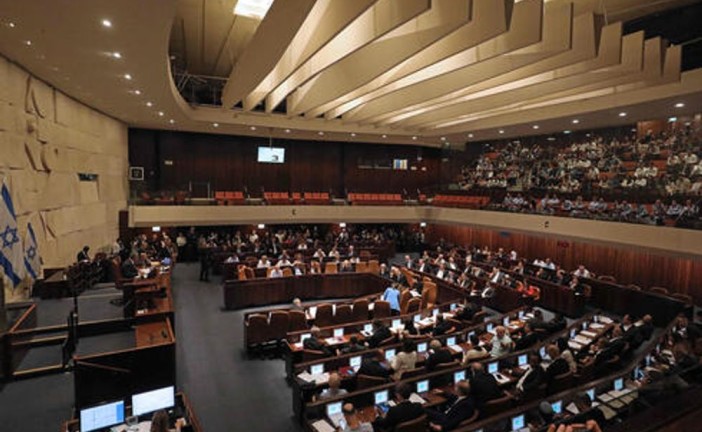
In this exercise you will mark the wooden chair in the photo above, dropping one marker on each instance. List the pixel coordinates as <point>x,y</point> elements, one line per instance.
<point>429,293</point>
<point>496,406</point>
<point>297,321</point>
<point>374,266</point>
<point>414,305</point>
<point>287,272</point>
<point>331,268</point>
<point>634,287</point>
<point>470,419</point>
<point>419,424</point>
<point>241,272</point>
<point>381,309</point>
<point>687,299</point>
<point>256,331</point>
<point>278,324</point>
<point>405,297</point>
<point>324,316</point>
<point>389,341</point>
<point>367,381</point>
<point>312,355</point>
<point>343,314</point>
<point>411,373</point>
<point>479,317</point>
<point>561,382</point>
<point>659,290</point>
<point>360,310</point>
<point>361,267</point>
<point>607,278</point>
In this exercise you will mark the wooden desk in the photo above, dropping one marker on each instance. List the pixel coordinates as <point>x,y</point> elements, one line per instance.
<point>153,333</point>
<point>259,292</point>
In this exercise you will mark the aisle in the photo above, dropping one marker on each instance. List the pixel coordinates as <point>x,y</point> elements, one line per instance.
<point>228,391</point>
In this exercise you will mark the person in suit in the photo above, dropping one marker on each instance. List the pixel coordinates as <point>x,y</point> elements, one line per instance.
<point>528,339</point>
<point>557,324</point>
<point>205,262</point>
<point>129,269</point>
<point>353,422</point>
<point>533,377</point>
<point>439,354</point>
<point>380,333</point>
<point>353,346</point>
<point>402,412</point>
<point>441,326</point>
<point>315,343</point>
<point>476,351</point>
<point>297,305</point>
<point>405,360</point>
<point>466,313</point>
<point>83,254</point>
<point>373,366</point>
<point>483,385</point>
<point>646,328</point>
<point>334,388</point>
<point>459,407</point>
<point>558,366</point>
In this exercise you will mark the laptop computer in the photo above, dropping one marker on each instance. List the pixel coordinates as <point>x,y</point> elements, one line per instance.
<point>518,422</point>
<point>355,362</point>
<point>459,376</point>
<point>522,360</point>
<point>339,333</point>
<point>422,386</point>
<point>334,413</point>
<point>367,330</point>
<point>422,347</point>
<point>451,341</point>
<point>557,406</point>
<point>317,369</point>
<point>381,400</point>
<point>389,354</point>
<point>396,323</point>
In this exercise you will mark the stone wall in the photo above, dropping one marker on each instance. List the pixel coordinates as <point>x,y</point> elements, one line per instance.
<point>46,140</point>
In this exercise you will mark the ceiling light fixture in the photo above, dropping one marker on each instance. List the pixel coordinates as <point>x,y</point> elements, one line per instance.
<point>470,135</point>
<point>414,138</point>
<point>443,138</point>
<point>149,104</point>
<point>385,136</point>
<point>117,55</point>
<point>253,128</point>
<point>106,23</point>
<point>353,134</point>
<point>11,24</point>
<point>28,42</point>
<point>128,77</point>
<point>622,114</point>
<point>500,131</point>
<point>160,113</point>
<point>320,133</point>
<point>672,119</point>
<point>171,121</point>
<point>287,130</point>
<point>215,124</point>
<point>679,105</point>
<point>256,9</point>
<point>575,121</point>
<point>137,92</point>
<point>535,127</point>
<point>566,132</point>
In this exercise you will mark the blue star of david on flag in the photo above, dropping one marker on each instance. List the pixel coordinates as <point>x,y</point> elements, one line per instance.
<point>11,252</point>
<point>32,260</point>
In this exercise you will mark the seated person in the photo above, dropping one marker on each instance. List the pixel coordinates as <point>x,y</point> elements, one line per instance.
<point>83,254</point>
<point>483,385</point>
<point>438,354</point>
<point>264,262</point>
<point>646,328</point>
<point>557,324</point>
<point>528,338</point>
<point>353,346</point>
<point>538,321</point>
<point>501,343</point>
<point>315,343</point>
<point>392,296</point>
<point>402,412</point>
<point>298,268</point>
<point>297,305</point>
<point>404,360</point>
<point>466,313</point>
<point>558,365</point>
<point>441,326</point>
<point>275,272</point>
<point>410,329</point>
<point>334,388</point>
<point>346,267</point>
<point>585,414</point>
<point>460,407</point>
<point>533,377</point>
<point>476,351</point>
<point>380,333</point>
<point>129,269</point>
<point>160,422</point>
<point>353,423</point>
<point>373,366</point>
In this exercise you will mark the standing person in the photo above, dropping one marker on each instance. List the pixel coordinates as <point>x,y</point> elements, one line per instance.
<point>205,262</point>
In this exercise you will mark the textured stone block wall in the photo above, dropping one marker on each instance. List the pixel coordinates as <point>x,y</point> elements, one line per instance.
<point>46,139</point>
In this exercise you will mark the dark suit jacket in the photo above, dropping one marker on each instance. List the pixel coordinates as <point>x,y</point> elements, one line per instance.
<point>646,331</point>
<point>457,412</point>
<point>534,379</point>
<point>400,413</point>
<point>129,270</point>
<point>484,388</point>
<point>441,328</point>
<point>380,335</point>
<point>312,343</point>
<point>441,356</point>
<point>372,367</point>
<point>467,313</point>
<point>557,367</point>
<point>526,341</point>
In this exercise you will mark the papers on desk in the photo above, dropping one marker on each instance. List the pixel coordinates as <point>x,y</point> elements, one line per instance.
<point>589,334</point>
<point>571,408</point>
<point>582,340</point>
<point>334,340</point>
<point>529,315</point>
<point>426,321</point>
<point>415,398</point>
<point>448,315</point>
<point>606,320</point>
<point>513,327</point>
<point>298,345</point>
<point>574,345</point>
<point>456,348</point>
<point>312,312</point>
<point>501,379</point>
<point>414,293</point>
<point>597,326</point>
<point>322,426</point>
<point>144,426</point>
<point>371,306</point>
<point>366,333</point>
<point>317,379</point>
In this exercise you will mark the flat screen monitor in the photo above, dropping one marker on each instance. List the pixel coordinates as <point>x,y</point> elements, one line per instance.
<point>542,352</point>
<point>451,341</point>
<point>492,367</point>
<point>618,384</point>
<point>453,306</point>
<point>317,369</point>
<point>470,335</point>
<point>522,360</point>
<point>355,361</point>
<point>584,326</point>
<point>396,323</point>
<point>389,354</point>
<point>591,393</point>
<point>638,373</point>
<point>573,333</point>
<point>459,376</point>
<point>505,321</point>
<point>271,154</point>
<point>423,386</point>
<point>101,416</point>
<point>381,397</point>
<point>305,336</point>
<point>368,328</point>
<point>338,332</point>
<point>154,400</point>
<point>518,422</point>
<point>422,347</point>
<point>435,312</point>
<point>417,318</point>
<point>557,407</point>
<point>490,327</point>
<point>333,409</point>
<point>521,314</point>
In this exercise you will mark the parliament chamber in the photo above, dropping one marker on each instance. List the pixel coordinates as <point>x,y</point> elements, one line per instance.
<point>334,215</point>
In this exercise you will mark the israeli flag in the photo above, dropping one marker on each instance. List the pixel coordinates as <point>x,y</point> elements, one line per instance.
<point>32,260</point>
<point>11,252</point>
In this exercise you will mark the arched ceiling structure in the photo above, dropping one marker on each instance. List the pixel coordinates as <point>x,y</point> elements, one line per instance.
<point>425,72</point>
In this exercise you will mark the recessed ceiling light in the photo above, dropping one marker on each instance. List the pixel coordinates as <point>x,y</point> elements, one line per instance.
<point>320,133</point>
<point>149,104</point>
<point>11,24</point>
<point>414,138</point>
<point>160,113</point>
<point>117,55</point>
<point>672,119</point>
<point>679,105</point>
<point>127,76</point>
<point>443,138</point>
<point>622,114</point>
<point>253,128</point>
<point>566,132</point>
<point>28,42</point>
<point>256,9</point>
<point>470,135</point>
<point>137,92</point>
<point>287,130</point>
<point>535,127</point>
<point>385,136</point>
<point>54,68</point>
<point>215,124</point>
<point>575,121</point>
<point>171,121</point>
<point>106,23</point>
<point>500,131</point>
<point>353,134</point>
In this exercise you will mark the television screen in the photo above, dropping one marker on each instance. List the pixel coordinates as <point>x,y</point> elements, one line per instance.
<point>102,416</point>
<point>423,386</point>
<point>271,154</point>
<point>154,400</point>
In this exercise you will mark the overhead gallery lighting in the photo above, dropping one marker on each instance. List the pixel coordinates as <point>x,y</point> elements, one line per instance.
<point>117,55</point>
<point>679,105</point>
<point>215,124</point>
<point>535,127</point>
<point>160,113</point>
<point>171,121</point>
<point>106,23</point>
<point>575,121</point>
<point>470,135</point>
<point>256,9</point>
<point>500,131</point>
<point>287,130</point>
<point>622,114</point>
<point>128,77</point>
<point>149,104</point>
